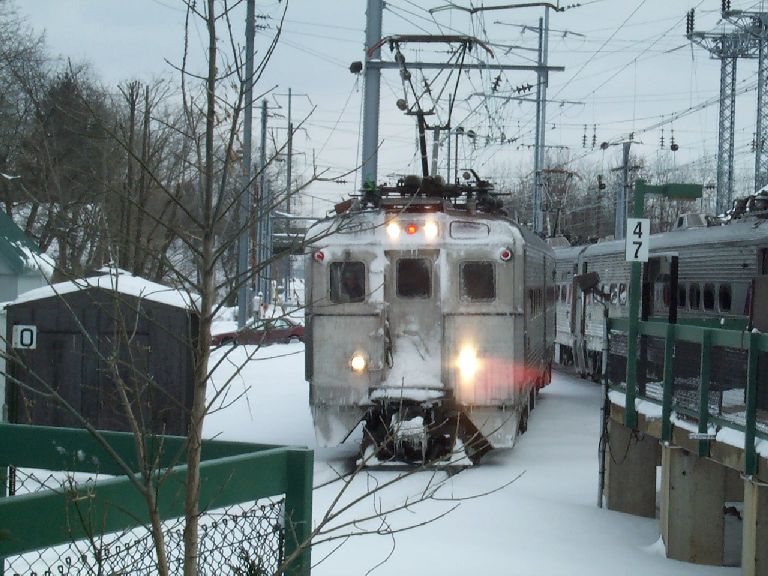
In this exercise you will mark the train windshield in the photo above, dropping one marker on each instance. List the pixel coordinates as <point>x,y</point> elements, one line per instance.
<point>414,279</point>
<point>347,282</point>
<point>478,282</point>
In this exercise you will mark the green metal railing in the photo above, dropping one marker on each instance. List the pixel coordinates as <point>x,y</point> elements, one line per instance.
<point>231,473</point>
<point>751,343</point>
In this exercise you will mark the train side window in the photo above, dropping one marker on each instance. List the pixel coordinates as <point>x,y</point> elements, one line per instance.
<point>694,296</point>
<point>614,294</point>
<point>709,296</point>
<point>478,281</point>
<point>347,282</point>
<point>414,279</point>
<point>682,294</point>
<point>724,297</point>
<point>563,293</point>
<point>623,294</point>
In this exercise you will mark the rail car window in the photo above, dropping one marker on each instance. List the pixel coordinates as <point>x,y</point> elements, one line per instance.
<point>709,296</point>
<point>563,292</point>
<point>682,293</point>
<point>694,296</point>
<point>478,281</point>
<point>347,282</point>
<point>414,279</point>
<point>623,294</point>
<point>724,296</point>
<point>614,294</point>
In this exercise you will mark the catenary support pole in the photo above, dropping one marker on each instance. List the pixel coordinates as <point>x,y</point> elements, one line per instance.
<point>243,296</point>
<point>371,93</point>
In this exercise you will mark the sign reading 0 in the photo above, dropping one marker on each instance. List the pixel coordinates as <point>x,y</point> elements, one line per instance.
<point>24,336</point>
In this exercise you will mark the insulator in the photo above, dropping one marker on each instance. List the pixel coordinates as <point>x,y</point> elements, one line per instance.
<point>662,138</point>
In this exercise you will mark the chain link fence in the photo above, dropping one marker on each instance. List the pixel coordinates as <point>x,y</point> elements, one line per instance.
<point>242,540</point>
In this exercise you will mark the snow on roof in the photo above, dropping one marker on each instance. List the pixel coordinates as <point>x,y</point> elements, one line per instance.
<point>121,283</point>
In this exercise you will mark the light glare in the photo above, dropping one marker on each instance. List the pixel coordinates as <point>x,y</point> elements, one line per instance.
<point>393,230</point>
<point>430,230</point>
<point>467,362</point>
<point>358,363</point>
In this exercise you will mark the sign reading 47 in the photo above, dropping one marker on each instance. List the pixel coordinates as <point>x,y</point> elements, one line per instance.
<point>638,235</point>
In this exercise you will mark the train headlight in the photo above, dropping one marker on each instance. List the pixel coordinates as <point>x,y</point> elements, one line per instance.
<point>430,230</point>
<point>358,362</point>
<point>467,362</point>
<point>505,254</point>
<point>393,230</point>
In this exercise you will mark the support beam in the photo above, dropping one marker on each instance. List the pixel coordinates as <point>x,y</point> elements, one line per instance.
<point>692,496</point>
<point>371,93</point>
<point>754,551</point>
<point>726,134</point>
<point>630,477</point>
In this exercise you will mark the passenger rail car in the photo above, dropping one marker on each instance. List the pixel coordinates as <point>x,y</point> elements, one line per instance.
<point>701,274</point>
<point>431,321</point>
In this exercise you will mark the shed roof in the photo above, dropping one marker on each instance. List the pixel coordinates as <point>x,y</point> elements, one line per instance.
<point>18,250</point>
<point>122,283</point>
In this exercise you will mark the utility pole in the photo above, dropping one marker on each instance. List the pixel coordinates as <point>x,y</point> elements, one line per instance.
<point>243,295</point>
<point>728,48</point>
<point>263,233</point>
<point>288,167</point>
<point>371,93</point>
<point>620,219</point>
<point>538,152</point>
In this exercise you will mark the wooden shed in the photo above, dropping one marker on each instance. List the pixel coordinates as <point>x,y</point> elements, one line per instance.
<point>109,345</point>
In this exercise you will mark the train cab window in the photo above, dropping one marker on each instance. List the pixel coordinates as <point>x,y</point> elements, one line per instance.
<point>347,282</point>
<point>414,278</point>
<point>694,296</point>
<point>709,296</point>
<point>682,293</point>
<point>622,294</point>
<point>724,297</point>
<point>478,281</point>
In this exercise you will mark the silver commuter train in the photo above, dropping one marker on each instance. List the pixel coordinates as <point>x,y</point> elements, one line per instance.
<point>430,318</point>
<point>712,267</point>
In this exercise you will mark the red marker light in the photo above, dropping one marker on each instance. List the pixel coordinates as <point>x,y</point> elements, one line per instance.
<point>505,254</point>
<point>411,229</point>
<point>319,256</point>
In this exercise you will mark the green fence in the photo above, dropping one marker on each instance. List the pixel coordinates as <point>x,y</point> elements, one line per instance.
<point>68,520</point>
<point>693,400</point>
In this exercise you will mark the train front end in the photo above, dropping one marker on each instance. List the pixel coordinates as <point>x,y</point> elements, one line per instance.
<point>416,326</point>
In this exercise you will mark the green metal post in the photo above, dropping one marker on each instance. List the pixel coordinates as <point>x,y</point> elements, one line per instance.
<point>298,513</point>
<point>666,398</point>
<point>750,457</point>
<point>3,494</point>
<point>706,348</point>
<point>630,413</point>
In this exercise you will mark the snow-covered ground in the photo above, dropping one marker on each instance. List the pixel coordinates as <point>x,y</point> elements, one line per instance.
<point>545,523</point>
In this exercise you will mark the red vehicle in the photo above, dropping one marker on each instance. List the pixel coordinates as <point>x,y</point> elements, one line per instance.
<point>267,331</point>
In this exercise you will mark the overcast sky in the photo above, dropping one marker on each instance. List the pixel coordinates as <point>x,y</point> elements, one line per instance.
<point>627,65</point>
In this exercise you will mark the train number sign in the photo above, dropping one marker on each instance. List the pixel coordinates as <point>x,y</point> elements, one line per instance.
<point>24,336</point>
<point>638,233</point>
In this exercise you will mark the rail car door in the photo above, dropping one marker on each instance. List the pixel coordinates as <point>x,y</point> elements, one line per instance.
<point>578,325</point>
<point>412,290</point>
